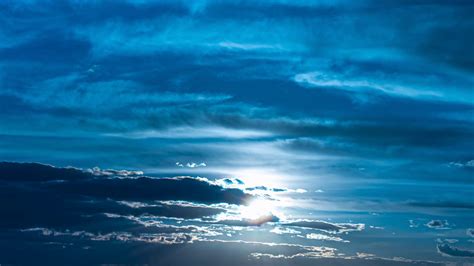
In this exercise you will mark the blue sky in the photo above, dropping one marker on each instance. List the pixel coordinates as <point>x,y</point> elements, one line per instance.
<point>353,114</point>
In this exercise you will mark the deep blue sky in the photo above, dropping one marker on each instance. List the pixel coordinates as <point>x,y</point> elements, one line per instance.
<point>343,128</point>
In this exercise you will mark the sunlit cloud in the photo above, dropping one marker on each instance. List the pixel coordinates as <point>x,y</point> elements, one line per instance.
<point>325,237</point>
<point>193,133</point>
<point>321,80</point>
<point>191,165</point>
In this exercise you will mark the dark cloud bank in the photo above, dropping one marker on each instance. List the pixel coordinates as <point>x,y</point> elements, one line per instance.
<point>74,216</point>
<point>36,195</point>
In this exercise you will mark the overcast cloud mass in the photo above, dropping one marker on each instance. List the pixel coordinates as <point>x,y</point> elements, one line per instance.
<point>266,132</point>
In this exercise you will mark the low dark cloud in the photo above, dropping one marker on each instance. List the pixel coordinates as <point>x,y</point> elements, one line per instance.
<point>265,218</point>
<point>327,226</point>
<point>17,172</point>
<point>145,188</point>
<point>37,195</point>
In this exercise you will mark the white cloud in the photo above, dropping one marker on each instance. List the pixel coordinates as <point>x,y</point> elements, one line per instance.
<point>283,230</point>
<point>193,133</point>
<point>320,79</point>
<point>247,46</point>
<point>438,224</point>
<point>468,164</point>
<point>112,172</point>
<point>191,165</point>
<point>325,237</point>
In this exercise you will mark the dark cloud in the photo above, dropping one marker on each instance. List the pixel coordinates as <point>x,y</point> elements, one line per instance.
<point>326,226</point>
<point>37,195</point>
<point>438,224</point>
<point>265,218</point>
<point>17,172</point>
<point>145,188</point>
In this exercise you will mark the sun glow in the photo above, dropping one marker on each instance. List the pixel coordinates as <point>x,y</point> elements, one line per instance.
<point>259,177</point>
<point>260,211</point>
<point>257,208</point>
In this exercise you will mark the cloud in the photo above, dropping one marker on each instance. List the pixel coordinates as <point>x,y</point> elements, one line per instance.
<point>438,224</point>
<point>413,223</point>
<point>43,195</point>
<point>141,187</point>
<point>468,164</point>
<point>325,237</point>
<point>284,230</point>
<point>166,239</point>
<point>257,221</point>
<point>326,226</point>
<point>191,165</point>
<point>265,189</point>
<point>74,91</point>
<point>145,188</point>
<point>246,46</point>
<point>17,172</point>
<point>112,172</point>
<point>193,133</point>
<point>140,84</point>
<point>322,80</point>
<point>470,232</point>
<point>451,251</point>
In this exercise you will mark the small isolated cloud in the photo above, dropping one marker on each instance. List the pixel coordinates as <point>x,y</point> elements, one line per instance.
<point>334,81</point>
<point>451,251</point>
<point>470,232</point>
<point>246,46</point>
<point>413,223</point>
<point>231,181</point>
<point>283,230</point>
<point>325,237</point>
<point>268,189</point>
<point>257,221</point>
<point>438,224</point>
<point>326,226</point>
<point>112,172</point>
<point>468,164</point>
<point>191,165</point>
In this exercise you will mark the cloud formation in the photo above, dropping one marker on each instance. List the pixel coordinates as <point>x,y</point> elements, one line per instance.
<point>450,251</point>
<point>326,226</point>
<point>50,196</point>
<point>438,224</point>
<point>368,101</point>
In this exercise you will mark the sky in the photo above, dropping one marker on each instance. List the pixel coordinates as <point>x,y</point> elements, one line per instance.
<point>265,132</point>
